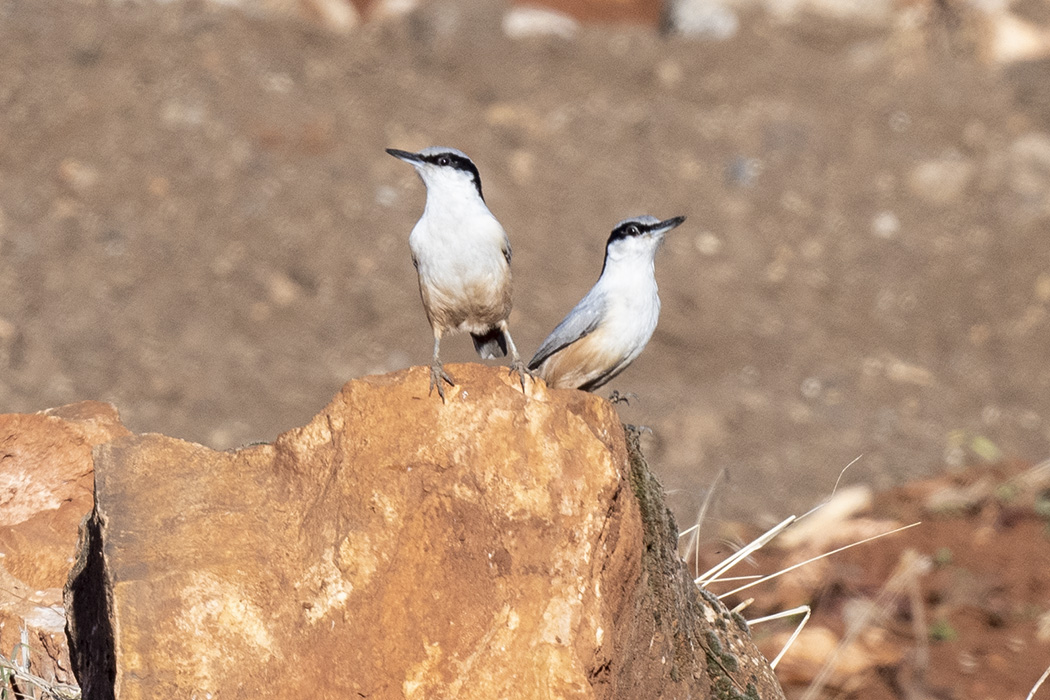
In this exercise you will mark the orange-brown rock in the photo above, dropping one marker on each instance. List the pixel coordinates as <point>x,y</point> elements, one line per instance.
<point>45,491</point>
<point>644,12</point>
<point>500,545</point>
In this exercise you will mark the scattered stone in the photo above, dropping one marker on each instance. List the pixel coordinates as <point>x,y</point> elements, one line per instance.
<point>1042,287</point>
<point>669,72</point>
<point>906,373</point>
<point>885,225</point>
<point>821,527</point>
<point>876,12</point>
<point>384,10</point>
<point>777,269</point>
<point>522,22</point>
<point>955,499</point>
<point>159,186</point>
<point>338,16</point>
<point>794,203</point>
<point>78,176</point>
<point>386,196</point>
<point>280,83</point>
<point>1009,38</point>
<point>705,19</point>
<point>743,171</point>
<point>854,663</point>
<point>283,290</point>
<point>900,122</point>
<point>811,387</point>
<point>942,181</point>
<point>335,15</point>
<point>1042,627</point>
<point>522,166</point>
<point>176,113</point>
<point>842,527</point>
<point>707,243</point>
<point>1029,178</point>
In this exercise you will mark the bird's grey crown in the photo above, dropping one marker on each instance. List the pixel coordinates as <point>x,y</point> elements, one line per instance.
<point>431,151</point>
<point>644,220</point>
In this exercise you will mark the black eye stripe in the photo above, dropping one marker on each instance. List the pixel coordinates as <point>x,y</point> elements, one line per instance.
<point>451,160</point>
<point>629,229</point>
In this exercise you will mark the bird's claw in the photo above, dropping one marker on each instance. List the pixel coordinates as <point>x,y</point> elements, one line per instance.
<point>616,397</point>
<point>637,430</point>
<point>438,376</point>
<point>519,367</point>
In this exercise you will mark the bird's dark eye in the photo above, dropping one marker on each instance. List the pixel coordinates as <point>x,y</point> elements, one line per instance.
<point>632,230</point>
<point>443,160</point>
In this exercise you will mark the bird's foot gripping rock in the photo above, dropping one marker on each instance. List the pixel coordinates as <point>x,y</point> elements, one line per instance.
<point>438,376</point>
<point>518,367</point>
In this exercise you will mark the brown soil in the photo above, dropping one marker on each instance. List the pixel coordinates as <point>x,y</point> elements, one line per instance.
<point>982,602</point>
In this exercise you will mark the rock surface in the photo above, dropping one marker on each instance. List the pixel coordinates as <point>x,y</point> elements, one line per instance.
<point>501,545</point>
<point>45,491</point>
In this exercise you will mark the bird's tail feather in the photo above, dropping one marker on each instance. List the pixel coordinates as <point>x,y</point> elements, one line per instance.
<point>490,344</point>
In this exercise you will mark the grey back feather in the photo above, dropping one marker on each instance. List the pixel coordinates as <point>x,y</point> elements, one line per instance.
<point>583,319</point>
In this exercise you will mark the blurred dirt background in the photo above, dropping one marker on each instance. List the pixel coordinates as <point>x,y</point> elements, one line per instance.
<point>199,224</point>
<point>953,608</point>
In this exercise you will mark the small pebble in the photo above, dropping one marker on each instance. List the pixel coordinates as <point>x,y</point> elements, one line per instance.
<point>524,22</point>
<point>885,225</point>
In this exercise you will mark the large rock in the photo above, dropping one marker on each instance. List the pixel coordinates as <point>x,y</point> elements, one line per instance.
<point>501,545</point>
<point>45,491</point>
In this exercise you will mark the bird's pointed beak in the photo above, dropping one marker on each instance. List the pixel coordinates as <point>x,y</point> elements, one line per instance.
<point>665,226</point>
<point>413,158</point>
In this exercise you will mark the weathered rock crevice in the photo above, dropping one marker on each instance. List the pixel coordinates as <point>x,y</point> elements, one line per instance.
<point>88,605</point>
<point>46,478</point>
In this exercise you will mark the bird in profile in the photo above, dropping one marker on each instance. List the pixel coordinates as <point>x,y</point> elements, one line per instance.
<point>462,256</point>
<point>611,325</point>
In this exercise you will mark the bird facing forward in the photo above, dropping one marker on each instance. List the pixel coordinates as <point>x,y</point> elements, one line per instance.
<point>611,325</point>
<point>462,256</point>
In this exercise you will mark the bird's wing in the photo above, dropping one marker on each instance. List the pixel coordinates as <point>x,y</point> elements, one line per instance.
<point>583,319</point>
<point>507,252</point>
